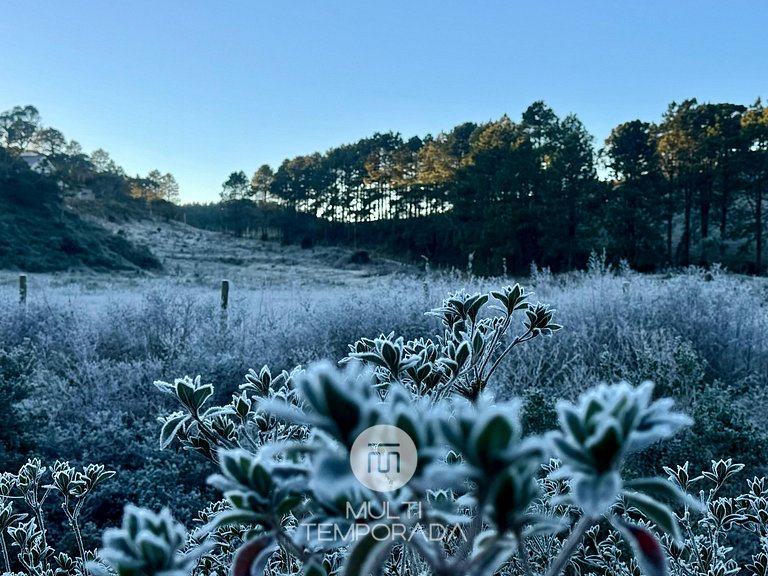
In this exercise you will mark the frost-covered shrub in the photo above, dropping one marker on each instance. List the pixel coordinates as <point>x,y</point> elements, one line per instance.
<point>539,414</point>
<point>699,341</point>
<point>283,446</point>
<point>694,332</point>
<point>477,473</point>
<point>24,535</point>
<point>16,367</point>
<point>146,544</point>
<point>722,322</point>
<point>464,358</point>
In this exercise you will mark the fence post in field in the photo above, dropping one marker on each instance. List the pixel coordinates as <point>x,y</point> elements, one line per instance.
<point>224,302</point>
<point>23,289</point>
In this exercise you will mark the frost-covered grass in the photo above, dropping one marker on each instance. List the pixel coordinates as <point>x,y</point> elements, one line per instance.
<point>691,326</point>
<point>93,350</point>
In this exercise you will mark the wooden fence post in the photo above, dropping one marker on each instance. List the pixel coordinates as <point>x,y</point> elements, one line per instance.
<point>23,289</point>
<point>224,302</point>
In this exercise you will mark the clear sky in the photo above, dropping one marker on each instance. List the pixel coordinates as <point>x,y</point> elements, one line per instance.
<point>203,88</point>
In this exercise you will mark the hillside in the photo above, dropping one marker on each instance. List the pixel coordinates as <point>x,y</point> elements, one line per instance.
<point>39,241</point>
<point>198,256</point>
<point>39,234</point>
<point>42,232</point>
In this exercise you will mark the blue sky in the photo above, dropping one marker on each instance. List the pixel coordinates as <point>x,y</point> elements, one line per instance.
<point>203,88</point>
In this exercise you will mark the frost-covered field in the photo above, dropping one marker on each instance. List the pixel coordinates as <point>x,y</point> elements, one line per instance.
<point>88,350</point>
<point>615,326</point>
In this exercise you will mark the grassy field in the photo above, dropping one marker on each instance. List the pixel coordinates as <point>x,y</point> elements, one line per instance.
<point>82,355</point>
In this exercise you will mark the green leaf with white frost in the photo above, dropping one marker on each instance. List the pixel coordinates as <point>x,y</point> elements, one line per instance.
<point>648,551</point>
<point>368,555</point>
<point>596,494</point>
<point>491,438</point>
<point>171,426</point>
<point>463,353</point>
<point>251,558</point>
<point>655,511</point>
<point>665,489</point>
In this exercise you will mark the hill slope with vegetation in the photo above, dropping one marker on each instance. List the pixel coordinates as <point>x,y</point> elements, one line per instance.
<point>38,233</point>
<point>690,189</point>
<point>40,173</point>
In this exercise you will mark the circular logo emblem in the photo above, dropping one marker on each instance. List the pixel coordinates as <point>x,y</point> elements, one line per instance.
<point>383,458</point>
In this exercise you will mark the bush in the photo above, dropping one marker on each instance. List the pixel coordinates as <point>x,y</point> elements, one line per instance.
<point>284,445</point>
<point>678,332</point>
<point>360,257</point>
<point>17,365</point>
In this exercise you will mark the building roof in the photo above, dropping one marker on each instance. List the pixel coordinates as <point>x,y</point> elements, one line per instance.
<point>36,161</point>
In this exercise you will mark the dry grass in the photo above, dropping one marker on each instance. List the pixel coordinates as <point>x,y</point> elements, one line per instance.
<point>202,258</point>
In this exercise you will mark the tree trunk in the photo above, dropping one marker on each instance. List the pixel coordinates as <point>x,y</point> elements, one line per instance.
<point>759,229</point>
<point>669,239</point>
<point>687,225</point>
<point>724,201</point>
<point>706,203</point>
<point>723,220</point>
<point>704,210</point>
<point>571,232</point>
<point>670,216</point>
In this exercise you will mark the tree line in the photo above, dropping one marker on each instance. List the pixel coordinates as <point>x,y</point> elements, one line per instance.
<point>687,190</point>
<point>22,132</point>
